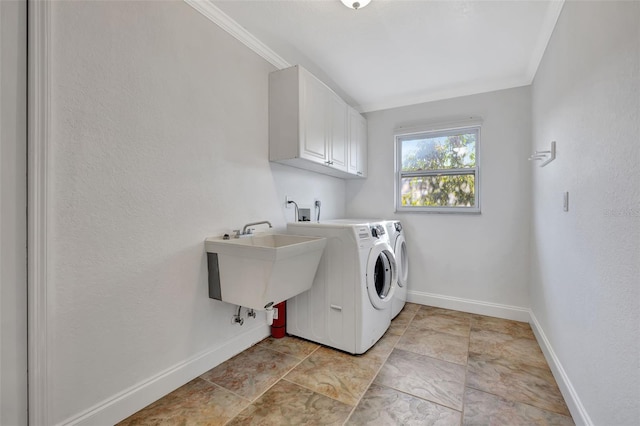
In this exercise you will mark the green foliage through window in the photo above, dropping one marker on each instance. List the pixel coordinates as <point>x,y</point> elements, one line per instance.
<point>438,170</point>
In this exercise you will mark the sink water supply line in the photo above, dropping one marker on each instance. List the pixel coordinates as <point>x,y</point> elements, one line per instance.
<point>237,318</point>
<point>296,205</point>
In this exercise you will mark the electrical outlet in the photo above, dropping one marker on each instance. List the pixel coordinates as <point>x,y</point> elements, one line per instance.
<point>286,202</point>
<point>566,202</point>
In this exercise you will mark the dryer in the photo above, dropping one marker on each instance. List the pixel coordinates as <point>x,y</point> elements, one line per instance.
<point>399,246</point>
<point>349,304</point>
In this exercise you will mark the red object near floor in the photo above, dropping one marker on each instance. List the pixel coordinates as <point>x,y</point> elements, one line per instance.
<point>279,325</point>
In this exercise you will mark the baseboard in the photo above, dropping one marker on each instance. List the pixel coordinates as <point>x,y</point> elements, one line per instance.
<point>129,401</point>
<point>515,313</point>
<point>578,412</point>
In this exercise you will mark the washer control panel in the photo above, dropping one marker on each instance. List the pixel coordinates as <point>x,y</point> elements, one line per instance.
<point>377,231</point>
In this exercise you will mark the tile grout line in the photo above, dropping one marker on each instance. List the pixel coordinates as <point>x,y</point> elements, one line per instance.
<point>461,411</point>
<point>480,329</point>
<point>379,368</point>
<point>466,375</point>
<point>518,402</point>
<point>275,382</point>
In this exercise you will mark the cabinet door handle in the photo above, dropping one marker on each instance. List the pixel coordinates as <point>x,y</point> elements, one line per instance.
<point>329,163</point>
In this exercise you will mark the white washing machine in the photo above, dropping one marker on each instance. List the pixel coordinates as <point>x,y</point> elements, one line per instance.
<point>349,304</point>
<point>399,246</point>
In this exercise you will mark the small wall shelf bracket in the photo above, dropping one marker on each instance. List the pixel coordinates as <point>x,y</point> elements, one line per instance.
<point>545,156</point>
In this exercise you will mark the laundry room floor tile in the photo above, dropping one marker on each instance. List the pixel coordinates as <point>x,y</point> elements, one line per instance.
<point>444,323</point>
<point>481,408</point>
<point>432,310</point>
<point>499,325</point>
<point>447,347</point>
<point>379,353</point>
<point>400,323</point>
<point>335,374</point>
<point>433,366</point>
<point>251,372</point>
<point>197,402</point>
<point>289,404</point>
<point>288,345</point>
<point>508,346</point>
<point>425,377</point>
<point>383,406</point>
<point>516,382</point>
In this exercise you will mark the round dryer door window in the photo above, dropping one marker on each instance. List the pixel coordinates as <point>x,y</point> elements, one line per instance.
<point>402,261</point>
<point>381,275</point>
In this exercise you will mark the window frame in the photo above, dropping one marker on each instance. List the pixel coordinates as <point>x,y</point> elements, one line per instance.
<point>401,134</point>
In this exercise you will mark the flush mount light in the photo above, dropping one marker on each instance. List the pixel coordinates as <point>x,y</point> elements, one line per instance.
<point>355,4</point>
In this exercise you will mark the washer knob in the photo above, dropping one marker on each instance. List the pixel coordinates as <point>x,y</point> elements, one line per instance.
<point>377,231</point>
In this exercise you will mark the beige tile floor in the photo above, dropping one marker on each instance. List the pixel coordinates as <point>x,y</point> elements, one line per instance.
<point>432,367</point>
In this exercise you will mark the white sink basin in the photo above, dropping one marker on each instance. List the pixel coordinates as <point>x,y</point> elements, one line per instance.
<point>262,269</point>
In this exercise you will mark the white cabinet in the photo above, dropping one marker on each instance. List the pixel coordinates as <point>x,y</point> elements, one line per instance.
<point>337,126</point>
<point>308,124</point>
<point>357,144</point>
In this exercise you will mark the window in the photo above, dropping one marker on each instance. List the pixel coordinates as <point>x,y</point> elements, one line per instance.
<point>437,171</point>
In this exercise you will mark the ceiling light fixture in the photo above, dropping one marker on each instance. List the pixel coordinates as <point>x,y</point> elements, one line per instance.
<point>355,4</point>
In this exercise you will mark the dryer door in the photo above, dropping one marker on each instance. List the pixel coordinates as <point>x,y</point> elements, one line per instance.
<point>382,276</point>
<point>400,251</point>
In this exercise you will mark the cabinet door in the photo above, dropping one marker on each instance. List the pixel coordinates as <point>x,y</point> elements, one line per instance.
<point>313,119</point>
<point>338,133</point>
<point>357,143</point>
<point>362,147</point>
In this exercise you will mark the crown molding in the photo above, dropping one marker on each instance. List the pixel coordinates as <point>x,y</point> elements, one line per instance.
<point>218,17</point>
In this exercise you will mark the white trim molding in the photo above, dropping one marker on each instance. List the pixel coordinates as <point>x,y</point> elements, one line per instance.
<point>515,313</point>
<point>37,198</point>
<point>578,412</point>
<point>217,16</point>
<point>129,401</point>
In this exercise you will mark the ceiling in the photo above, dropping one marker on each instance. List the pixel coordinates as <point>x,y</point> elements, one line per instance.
<point>397,52</point>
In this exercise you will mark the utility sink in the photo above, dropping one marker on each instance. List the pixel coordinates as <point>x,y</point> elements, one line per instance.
<point>260,270</point>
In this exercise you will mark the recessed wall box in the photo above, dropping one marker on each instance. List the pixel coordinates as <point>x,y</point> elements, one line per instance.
<point>304,215</point>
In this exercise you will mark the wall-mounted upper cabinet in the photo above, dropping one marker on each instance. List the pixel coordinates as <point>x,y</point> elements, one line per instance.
<point>310,127</point>
<point>357,143</point>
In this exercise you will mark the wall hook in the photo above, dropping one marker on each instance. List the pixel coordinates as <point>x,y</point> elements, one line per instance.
<point>545,156</point>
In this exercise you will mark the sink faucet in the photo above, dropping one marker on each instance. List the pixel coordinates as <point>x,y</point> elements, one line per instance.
<point>244,230</point>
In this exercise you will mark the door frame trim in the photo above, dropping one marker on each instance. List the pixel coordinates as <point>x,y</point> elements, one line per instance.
<point>38,190</point>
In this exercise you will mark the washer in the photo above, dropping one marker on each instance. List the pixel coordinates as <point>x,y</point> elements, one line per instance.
<point>399,245</point>
<point>349,304</point>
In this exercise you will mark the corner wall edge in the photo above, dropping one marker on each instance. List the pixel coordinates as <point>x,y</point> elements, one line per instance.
<point>578,412</point>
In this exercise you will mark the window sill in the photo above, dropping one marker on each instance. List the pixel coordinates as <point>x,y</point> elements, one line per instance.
<point>441,210</point>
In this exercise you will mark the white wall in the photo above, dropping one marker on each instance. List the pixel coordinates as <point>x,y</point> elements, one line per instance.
<point>158,140</point>
<point>477,263</point>
<point>305,187</point>
<point>586,262</point>
<point>13,209</point>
